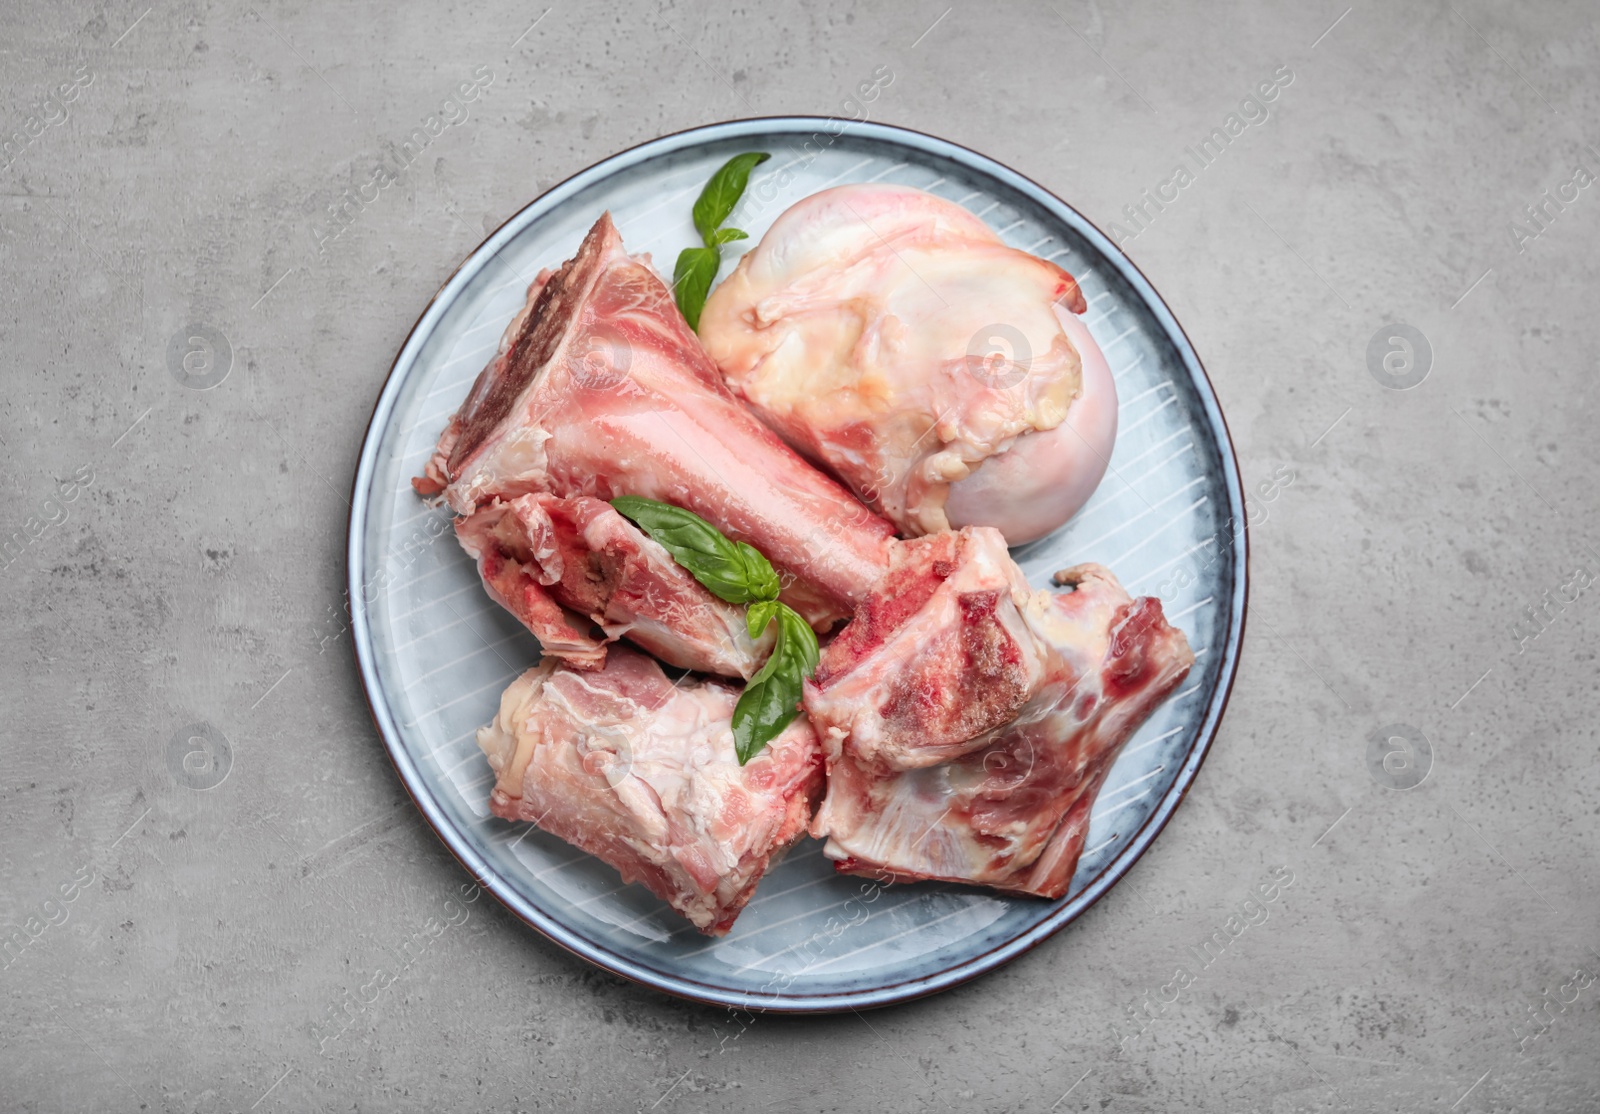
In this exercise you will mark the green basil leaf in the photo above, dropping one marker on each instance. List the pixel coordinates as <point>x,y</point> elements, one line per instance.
<point>771,699</point>
<point>692,279</point>
<point>726,236</point>
<point>802,640</point>
<point>737,572</point>
<point>759,573</point>
<point>732,571</point>
<point>722,193</point>
<point>759,615</point>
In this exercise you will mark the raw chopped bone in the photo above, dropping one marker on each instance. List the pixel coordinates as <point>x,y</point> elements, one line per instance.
<point>640,772</point>
<point>892,337</point>
<point>601,389</point>
<point>579,576</point>
<point>979,760</point>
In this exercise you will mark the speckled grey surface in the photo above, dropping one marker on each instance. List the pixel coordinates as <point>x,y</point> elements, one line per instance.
<point>285,939</point>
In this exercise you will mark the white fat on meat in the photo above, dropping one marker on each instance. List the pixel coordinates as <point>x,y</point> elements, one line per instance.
<point>642,773</point>
<point>579,576</point>
<point>945,377</point>
<point>968,722</point>
<point>600,389</point>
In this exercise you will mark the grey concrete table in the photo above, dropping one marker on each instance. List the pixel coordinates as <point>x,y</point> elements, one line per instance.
<point>1413,202</point>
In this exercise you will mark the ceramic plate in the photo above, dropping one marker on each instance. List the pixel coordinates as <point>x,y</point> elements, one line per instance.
<point>435,653</point>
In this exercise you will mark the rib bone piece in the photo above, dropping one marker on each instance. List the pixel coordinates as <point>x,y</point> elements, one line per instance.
<point>579,576</point>
<point>968,722</point>
<point>601,389</point>
<point>642,773</point>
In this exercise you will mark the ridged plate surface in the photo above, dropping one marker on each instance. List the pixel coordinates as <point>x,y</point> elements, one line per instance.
<point>435,653</point>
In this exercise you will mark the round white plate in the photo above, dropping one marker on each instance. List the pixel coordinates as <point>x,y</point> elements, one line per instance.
<point>435,652</point>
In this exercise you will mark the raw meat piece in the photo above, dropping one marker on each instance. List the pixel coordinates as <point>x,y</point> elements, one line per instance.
<point>542,558</point>
<point>603,390</point>
<point>940,657</point>
<point>641,773</point>
<point>1045,477</point>
<point>892,337</point>
<point>1046,687</point>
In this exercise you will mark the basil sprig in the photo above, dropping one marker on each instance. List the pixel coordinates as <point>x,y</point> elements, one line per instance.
<point>738,573</point>
<point>733,571</point>
<point>696,268</point>
<point>771,698</point>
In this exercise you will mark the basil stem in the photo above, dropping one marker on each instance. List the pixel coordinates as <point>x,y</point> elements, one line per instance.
<point>696,268</point>
<point>738,573</point>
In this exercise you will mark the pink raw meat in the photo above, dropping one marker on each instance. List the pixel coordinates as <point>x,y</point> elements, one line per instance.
<point>579,576</point>
<point>944,376</point>
<point>640,772</point>
<point>969,722</point>
<point>601,389</point>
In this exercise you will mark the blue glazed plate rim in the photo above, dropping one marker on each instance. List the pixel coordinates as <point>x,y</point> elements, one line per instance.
<point>460,845</point>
